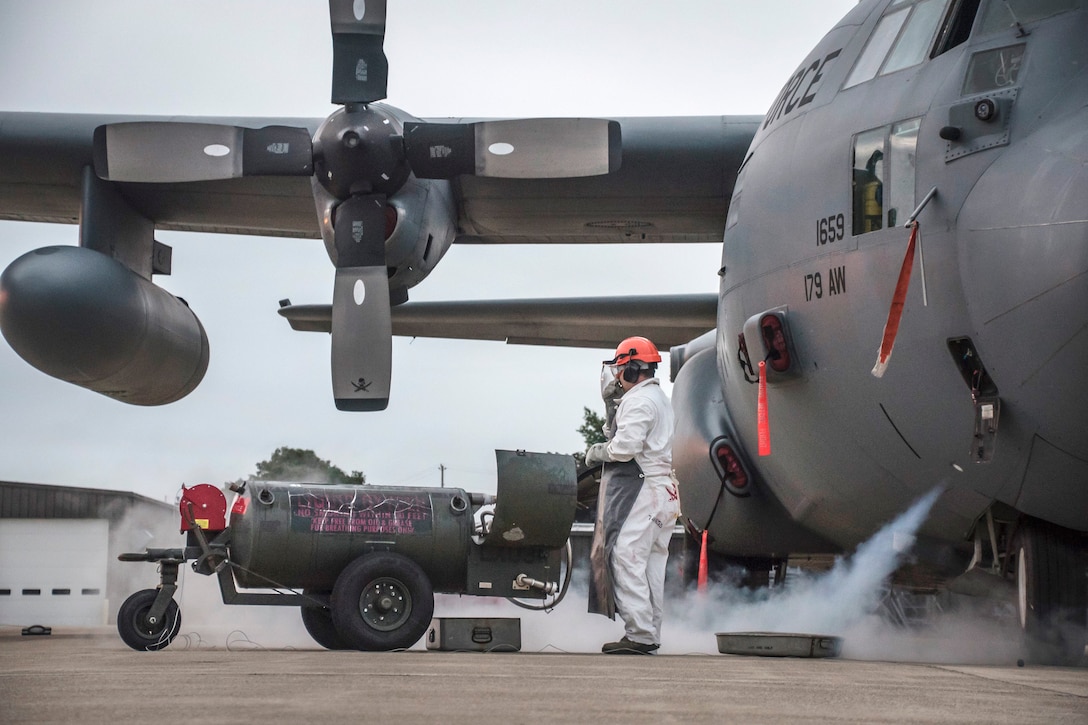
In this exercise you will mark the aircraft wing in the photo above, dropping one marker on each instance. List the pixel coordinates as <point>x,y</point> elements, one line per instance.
<point>42,156</point>
<point>385,192</point>
<point>674,185</point>
<point>668,320</point>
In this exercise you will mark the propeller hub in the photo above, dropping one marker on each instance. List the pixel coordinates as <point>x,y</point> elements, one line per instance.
<point>360,150</point>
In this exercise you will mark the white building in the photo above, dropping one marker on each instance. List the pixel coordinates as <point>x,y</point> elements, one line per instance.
<point>59,548</point>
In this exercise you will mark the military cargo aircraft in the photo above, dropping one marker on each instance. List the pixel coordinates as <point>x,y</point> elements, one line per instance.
<point>918,186</point>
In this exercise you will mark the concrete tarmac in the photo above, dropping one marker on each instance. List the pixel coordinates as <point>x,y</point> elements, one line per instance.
<point>90,676</point>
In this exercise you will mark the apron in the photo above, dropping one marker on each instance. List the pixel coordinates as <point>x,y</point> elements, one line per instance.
<point>621,483</point>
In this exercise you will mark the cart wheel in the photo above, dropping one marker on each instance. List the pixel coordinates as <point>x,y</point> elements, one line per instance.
<point>137,632</point>
<point>318,622</point>
<point>382,601</point>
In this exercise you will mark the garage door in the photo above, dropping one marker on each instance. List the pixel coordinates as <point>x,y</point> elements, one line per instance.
<point>53,571</point>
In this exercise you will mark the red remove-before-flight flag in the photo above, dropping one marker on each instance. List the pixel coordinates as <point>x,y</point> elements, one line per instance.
<point>891,327</point>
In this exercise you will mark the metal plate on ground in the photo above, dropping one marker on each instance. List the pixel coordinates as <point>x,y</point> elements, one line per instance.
<point>778,644</point>
<point>467,634</point>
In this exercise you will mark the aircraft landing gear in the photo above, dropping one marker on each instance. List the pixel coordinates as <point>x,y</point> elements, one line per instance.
<point>1052,591</point>
<point>136,627</point>
<point>382,601</point>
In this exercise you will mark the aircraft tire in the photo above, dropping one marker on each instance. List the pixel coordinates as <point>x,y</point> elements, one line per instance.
<point>133,626</point>
<point>318,622</point>
<point>1052,594</point>
<point>382,601</point>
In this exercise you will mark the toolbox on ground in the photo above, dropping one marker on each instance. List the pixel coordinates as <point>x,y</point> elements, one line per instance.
<point>470,634</point>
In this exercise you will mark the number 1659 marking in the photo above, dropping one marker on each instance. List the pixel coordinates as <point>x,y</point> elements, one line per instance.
<point>830,229</point>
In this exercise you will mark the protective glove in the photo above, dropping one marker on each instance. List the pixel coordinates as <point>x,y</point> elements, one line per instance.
<point>597,454</point>
<point>611,393</point>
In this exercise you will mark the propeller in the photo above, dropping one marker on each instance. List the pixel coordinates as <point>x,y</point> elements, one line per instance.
<point>361,318</point>
<point>361,155</point>
<point>174,152</point>
<point>360,70</point>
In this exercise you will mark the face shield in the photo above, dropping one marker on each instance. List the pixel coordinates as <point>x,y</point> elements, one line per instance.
<point>610,382</point>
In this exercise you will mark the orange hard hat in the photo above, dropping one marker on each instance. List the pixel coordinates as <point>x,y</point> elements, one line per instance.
<point>635,349</point>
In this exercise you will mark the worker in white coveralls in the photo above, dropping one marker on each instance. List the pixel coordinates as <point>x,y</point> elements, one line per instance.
<point>638,502</point>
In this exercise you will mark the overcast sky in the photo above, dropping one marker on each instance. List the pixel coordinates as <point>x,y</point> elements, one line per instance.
<point>453,402</point>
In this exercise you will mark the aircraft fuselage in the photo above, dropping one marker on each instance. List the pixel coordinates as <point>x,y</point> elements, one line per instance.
<point>984,393</point>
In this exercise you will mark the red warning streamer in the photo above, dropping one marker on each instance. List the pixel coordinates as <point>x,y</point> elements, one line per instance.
<point>702,565</point>
<point>761,412</point>
<point>895,314</point>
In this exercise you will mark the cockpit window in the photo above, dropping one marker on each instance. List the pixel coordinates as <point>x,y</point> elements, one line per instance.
<point>992,69</point>
<point>915,41</point>
<point>1004,14</point>
<point>957,26</point>
<point>869,181</point>
<point>902,38</point>
<point>902,142</point>
<point>883,175</point>
<point>887,30</point>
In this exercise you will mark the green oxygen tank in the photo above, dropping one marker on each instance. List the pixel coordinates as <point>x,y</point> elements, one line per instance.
<point>302,535</point>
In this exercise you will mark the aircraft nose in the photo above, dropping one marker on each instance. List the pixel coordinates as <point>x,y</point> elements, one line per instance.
<point>1024,265</point>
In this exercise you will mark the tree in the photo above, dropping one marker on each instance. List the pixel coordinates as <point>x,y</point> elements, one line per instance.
<point>589,480</point>
<point>303,466</point>
<point>592,429</point>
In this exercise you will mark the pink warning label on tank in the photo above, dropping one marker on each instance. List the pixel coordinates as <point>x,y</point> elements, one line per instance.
<point>353,512</point>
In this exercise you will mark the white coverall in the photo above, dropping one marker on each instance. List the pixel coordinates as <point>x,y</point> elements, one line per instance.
<point>644,428</point>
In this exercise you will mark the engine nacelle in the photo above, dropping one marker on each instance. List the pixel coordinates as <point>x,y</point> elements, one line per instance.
<point>82,317</point>
<point>421,216</point>
<point>425,229</point>
<point>721,492</point>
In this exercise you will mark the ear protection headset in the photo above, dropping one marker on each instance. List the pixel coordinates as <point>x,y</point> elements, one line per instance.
<point>635,368</point>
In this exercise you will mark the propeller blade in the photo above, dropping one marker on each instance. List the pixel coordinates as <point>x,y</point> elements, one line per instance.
<point>531,148</point>
<point>360,70</point>
<point>362,331</point>
<point>161,151</point>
